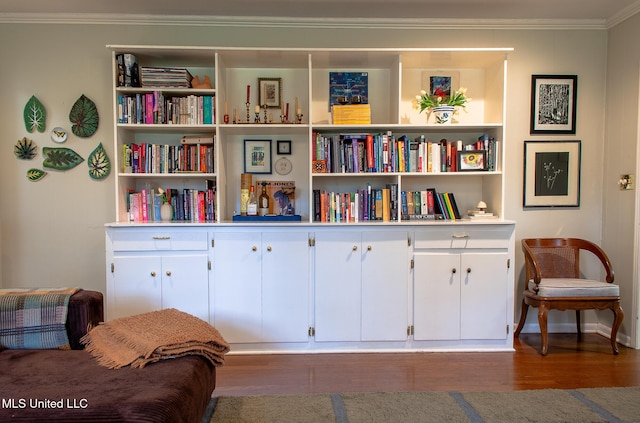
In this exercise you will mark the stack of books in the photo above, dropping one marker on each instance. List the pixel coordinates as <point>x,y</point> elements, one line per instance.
<point>351,114</point>
<point>165,77</point>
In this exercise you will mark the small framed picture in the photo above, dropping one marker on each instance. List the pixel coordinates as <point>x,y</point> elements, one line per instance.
<point>270,92</point>
<point>472,160</point>
<point>551,173</point>
<point>440,83</point>
<point>284,147</point>
<point>553,104</point>
<point>257,156</point>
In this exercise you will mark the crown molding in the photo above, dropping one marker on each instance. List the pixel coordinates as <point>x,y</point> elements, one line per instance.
<point>317,23</point>
<point>623,14</point>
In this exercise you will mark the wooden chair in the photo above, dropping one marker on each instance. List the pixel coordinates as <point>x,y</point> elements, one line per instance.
<point>553,282</point>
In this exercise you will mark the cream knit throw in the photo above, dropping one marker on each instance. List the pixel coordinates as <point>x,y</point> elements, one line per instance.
<point>149,337</point>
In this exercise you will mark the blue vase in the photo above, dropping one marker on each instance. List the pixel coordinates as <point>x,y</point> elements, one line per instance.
<point>443,114</point>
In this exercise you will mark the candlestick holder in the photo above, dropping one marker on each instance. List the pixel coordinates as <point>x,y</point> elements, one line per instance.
<point>264,108</point>
<point>299,117</point>
<point>248,104</point>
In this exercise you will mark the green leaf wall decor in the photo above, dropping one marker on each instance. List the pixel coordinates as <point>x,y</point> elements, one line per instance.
<point>99,163</point>
<point>25,149</point>
<point>35,174</point>
<point>35,115</point>
<point>60,158</point>
<point>84,117</point>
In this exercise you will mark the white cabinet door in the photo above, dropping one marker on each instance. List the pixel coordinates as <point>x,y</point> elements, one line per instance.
<point>237,308</point>
<point>460,296</point>
<point>483,300</point>
<point>337,286</point>
<point>137,285</point>
<point>285,286</point>
<point>436,296</point>
<point>185,284</point>
<point>385,272</point>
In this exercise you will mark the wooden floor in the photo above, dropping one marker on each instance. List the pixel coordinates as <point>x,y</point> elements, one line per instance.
<point>570,364</point>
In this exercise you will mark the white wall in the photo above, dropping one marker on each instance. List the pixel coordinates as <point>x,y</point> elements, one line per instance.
<point>620,152</point>
<point>52,231</point>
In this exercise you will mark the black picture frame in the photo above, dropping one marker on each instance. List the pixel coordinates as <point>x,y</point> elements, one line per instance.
<point>552,173</point>
<point>284,147</point>
<point>257,156</point>
<point>472,160</point>
<point>553,104</point>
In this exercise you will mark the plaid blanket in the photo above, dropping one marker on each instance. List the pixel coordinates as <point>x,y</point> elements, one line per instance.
<point>34,318</point>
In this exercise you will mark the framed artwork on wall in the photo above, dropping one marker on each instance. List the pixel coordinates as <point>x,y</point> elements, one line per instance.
<point>552,173</point>
<point>257,156</point>
<point>440,83</point>
<point>553,104</point>
<point>270,92</point>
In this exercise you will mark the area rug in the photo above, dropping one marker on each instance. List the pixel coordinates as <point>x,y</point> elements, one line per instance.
<point>615,405</point>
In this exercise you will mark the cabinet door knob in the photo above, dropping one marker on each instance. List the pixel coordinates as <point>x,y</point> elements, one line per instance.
<point>368,247</point>
<point>269,248</point>
<point>153,274</point>
<point>168,272</point>
<point>468,270</point>
<point>355,248</point>
<point>453,270</point>
<point>254,248</point>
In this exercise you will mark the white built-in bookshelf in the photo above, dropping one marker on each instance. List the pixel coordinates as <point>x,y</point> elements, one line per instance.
<point>395,77</point>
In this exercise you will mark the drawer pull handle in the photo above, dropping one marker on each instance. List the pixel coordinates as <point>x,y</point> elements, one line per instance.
<point>153,274</point>
<point>369,247</point>
<point>453,270</point>
<point>269,248</point>
<point>460,236</point>
<point>168,272</point>
<point>355,248</point>
<point>161,238</point>
<point>468,270</point>
<point>254,248</point>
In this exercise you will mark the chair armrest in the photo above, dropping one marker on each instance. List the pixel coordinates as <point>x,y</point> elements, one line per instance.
<point>598,252</point>
<point>531,265</point>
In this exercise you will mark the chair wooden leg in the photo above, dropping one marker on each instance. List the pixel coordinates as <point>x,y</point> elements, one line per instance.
<point>523,318</point>
<point>542,321</point>
<point>578,325</point>
<point>617,321</point>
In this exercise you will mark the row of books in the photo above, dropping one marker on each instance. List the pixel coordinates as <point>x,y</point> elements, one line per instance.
<point>165,77</point>
<point>164,158</point>
<point>155,108</point>
<point>189,205</point>
<point>384,152</point>
<point>369,204</point>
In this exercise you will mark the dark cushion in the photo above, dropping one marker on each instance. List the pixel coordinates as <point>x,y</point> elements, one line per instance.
<point>85,311</point>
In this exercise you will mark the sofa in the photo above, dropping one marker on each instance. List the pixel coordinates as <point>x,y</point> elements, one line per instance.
<point>69,385</point>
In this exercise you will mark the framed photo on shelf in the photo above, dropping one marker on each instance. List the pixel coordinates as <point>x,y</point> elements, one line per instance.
<point>552,173</point>
<point>553,104</point>
<point>440,82</point>
<point>284,147</point>
<point>270,92</point>
<point>257,156</point>
<point>472,160</point>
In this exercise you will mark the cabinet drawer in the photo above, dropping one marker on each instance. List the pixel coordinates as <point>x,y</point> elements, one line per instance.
<point>158,239</point>
<point>463,237</point>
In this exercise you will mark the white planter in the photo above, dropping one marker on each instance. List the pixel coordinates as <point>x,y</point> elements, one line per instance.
<point>443,114</point>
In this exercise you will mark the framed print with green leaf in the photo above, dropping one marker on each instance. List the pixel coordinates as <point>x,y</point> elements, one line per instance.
<point>553,104</point>
<point>552,173</point>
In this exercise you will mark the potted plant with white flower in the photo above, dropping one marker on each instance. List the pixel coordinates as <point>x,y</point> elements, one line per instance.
<point>442,106</point>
